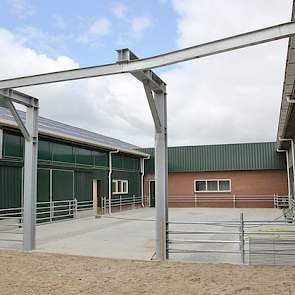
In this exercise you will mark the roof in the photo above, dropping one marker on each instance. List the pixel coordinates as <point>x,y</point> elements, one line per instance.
<point>286,111</point>
<point>221,157</point>
<point>60,130</point>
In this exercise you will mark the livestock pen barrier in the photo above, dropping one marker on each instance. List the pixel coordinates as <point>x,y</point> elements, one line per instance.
<point>251,241</point>
<point>229,201</point>
<point>121,202</point>
<point>11,219</point>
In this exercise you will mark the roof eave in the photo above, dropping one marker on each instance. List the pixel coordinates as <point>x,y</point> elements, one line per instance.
<point>75,139</point>
<point>288,90</point>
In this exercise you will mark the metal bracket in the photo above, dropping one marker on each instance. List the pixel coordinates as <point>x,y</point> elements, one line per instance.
<point>19,97</point>
<point>153,108</point>
<point>18,120</point>
<point>125,55</point>
<point>151,83</point>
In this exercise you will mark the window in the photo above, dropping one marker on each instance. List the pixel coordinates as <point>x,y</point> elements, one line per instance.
<point>213,185</point>
<point>120,186</point>
<point>200,186</point>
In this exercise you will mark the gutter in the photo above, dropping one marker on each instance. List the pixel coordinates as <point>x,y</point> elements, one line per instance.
<point>293,159</point>
<point>290,102</point>
<point>288,173</point>
<point>110,178</point>
<point>142,178</point>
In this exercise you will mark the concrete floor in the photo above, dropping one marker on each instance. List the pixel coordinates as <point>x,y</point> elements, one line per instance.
<point>118,237</point>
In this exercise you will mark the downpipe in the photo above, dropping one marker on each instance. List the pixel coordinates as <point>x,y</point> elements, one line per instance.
<point>142,179</point>
<point>110,178</point>
<point>293,159</point>
<point>288,173</point>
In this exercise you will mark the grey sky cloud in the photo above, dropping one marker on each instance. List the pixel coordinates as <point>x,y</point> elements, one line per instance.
<point>232,97</point>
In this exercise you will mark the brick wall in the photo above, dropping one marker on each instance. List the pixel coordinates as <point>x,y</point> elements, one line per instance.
<point>248,189</point>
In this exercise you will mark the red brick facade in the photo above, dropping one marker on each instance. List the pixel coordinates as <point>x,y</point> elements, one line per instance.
<point>249,189</point>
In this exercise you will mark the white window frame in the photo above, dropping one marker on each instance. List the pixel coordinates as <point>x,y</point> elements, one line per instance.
<point>117,192</point>
<point>206,183</point>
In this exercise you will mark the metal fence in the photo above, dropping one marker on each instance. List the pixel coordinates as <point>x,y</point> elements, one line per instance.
<point>229,200</point>
<point>251,241</point>
<point>120,202</point>
<point>11,231</point>
<point>11,219</point>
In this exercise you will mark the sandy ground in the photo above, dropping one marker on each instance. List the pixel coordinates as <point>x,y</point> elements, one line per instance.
<point>42,273</point>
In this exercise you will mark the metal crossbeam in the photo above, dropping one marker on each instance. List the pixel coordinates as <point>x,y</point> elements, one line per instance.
<point>29,129</point>
<point>19,97</point>
<point>223,45</point>
<point>153,108</point>
<point>125,55</point>
<point>18,120</point>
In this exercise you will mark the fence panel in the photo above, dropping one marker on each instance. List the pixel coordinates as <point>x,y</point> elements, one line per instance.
<point>241,241</point>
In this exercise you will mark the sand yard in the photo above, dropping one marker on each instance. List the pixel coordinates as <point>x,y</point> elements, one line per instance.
<point>55,274</point>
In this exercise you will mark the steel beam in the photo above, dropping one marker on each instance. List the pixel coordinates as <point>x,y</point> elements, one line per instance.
<point>29,130</point>
<point>161,178</point>
<point>1,143</point>
<point>19,97</point>
<point>18,120</point>
<point>30,179</point>
<point>223,45</point>
<point>125,55</point>
<point>153,108</point>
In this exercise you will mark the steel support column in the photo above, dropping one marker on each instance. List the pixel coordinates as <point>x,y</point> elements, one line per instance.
<point>30,179</point>
<point>161,177</point>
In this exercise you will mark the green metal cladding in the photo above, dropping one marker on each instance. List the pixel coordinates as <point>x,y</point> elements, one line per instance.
<point>10,187</point>
<point>221,157</point>
<point>70,167</point>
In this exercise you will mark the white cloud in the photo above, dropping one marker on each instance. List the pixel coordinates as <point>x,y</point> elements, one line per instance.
<point>101,27</point>
<point>120,9</point>
<point>231,97</point>
<point>114,106</point>
<point>21,8</point>
<point>140,24</point>
<point>42,41</point>
<point>94,34</point>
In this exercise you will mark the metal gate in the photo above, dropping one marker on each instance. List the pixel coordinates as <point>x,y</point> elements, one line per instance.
<point>239,242</point>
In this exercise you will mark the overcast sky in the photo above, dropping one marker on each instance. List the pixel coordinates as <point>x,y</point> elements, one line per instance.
<point>227,98</point>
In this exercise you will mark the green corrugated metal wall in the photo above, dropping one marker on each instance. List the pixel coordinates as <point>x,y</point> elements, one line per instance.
<point>133,181</point>
<point>65,160</point>
<point>10,187</point>
<point>246,156</point>
<point>43,185</point>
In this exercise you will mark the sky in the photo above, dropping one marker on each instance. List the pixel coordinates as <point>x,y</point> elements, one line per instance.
<point>227,98</point>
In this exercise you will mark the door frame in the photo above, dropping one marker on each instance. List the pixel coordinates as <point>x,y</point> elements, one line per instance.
<point>94,196</point>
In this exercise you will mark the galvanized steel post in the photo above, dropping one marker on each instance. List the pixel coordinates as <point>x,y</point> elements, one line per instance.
<point>30,178</point>
<point>242,238</point>
<point>161,177</point>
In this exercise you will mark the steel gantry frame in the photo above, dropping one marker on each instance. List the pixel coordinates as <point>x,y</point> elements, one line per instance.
<point>29,130</point>
<point>155,90</point>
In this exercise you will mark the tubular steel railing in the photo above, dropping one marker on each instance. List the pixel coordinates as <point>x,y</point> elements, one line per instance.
<point>120,202</point>
<point>232,200</point>
<point>259,242</point>
<point>11,219</point>
<point>84,205</point>
<point>50,211</point>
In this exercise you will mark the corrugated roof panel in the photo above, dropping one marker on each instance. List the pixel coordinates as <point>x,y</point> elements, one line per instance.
<point>246,156</point>
<point>70,131</point>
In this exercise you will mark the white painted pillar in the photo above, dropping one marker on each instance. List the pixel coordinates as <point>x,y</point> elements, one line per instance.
<point>161,177</point>
<point>30,179</point>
